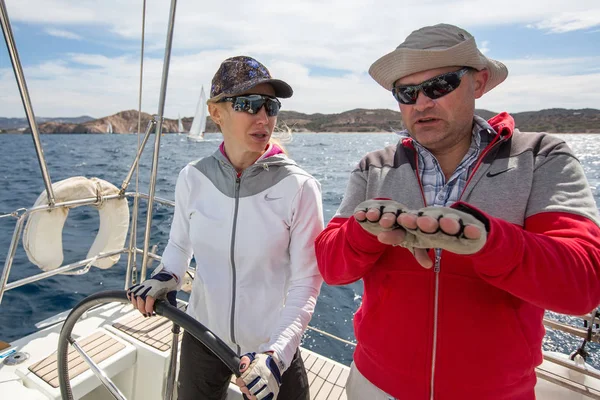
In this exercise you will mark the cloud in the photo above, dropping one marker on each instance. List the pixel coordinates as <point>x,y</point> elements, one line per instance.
<point>570,21</point>
<point>63,34</point>
<point>295,39</point>
<point>484,46</point>
<point>52,12</point>
<point>533,92</point>
<point>108,85</point>
<point>535,84</point>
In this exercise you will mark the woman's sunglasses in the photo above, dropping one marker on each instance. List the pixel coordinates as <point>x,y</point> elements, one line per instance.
<point>434,88</point>
<point>252,103</point>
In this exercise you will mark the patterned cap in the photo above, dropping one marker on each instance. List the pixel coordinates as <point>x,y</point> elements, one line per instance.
<point>241,73</point>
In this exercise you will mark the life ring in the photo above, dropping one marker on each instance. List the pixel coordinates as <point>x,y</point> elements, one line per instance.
<point>42,237</point>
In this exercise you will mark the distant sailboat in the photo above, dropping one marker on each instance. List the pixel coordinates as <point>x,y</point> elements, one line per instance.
<point>199,124</point>
<point>179,125</point>
<point>109,128</point>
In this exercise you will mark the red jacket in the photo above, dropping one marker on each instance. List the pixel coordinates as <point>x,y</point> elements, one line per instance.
<point>472,328</point>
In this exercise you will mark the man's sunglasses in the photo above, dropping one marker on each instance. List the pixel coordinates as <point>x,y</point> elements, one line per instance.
<point>434,88</point>
<point>252,103</point>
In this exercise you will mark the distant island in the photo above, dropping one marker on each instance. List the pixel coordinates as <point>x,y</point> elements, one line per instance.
<point>556,120</point>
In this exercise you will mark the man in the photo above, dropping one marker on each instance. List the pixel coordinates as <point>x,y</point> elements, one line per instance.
<point>463,234</point>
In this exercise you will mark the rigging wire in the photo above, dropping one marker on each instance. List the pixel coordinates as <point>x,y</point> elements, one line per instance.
<point>134,218</point>
<point>331,336</point>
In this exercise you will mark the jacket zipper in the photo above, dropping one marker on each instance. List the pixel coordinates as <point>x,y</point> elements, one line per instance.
<point>436,271</point>
<point>232,261</point>
<point>438,257</point>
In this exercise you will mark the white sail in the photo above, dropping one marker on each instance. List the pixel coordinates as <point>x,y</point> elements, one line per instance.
<point>109,128</point>
<point>179,125</point>
<point>199,123</point>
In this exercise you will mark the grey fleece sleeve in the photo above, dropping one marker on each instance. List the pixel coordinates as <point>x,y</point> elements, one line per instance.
<point>356,192</point>
<point>560,185</point>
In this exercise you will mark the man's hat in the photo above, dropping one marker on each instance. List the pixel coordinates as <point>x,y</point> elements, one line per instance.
<point>432,47</point>
<point>241,73</point>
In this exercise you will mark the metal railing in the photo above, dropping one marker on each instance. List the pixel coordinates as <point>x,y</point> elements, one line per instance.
<point>22,214</point>
<point>161,110</point>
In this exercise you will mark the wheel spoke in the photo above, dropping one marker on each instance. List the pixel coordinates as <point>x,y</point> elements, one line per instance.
<point>112,388</point>
<point>162,307</point>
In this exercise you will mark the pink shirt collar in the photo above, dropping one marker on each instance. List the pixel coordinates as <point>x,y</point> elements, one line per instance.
<point>271,150</point>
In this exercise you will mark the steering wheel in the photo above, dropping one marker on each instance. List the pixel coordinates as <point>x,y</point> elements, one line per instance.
<point>162,308</point>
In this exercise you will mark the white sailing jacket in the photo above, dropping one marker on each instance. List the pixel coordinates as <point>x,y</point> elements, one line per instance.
<point>252,237</point>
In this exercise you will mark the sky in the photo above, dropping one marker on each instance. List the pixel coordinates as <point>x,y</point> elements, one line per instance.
<point>82,57</point>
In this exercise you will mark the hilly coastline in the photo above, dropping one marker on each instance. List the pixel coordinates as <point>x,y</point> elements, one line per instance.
<point>556,120</point>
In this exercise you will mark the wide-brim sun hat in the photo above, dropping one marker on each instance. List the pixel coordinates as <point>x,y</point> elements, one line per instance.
<point>437,46</point>
<point>239,74</point>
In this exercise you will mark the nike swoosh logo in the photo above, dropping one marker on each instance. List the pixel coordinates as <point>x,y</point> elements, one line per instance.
<point>267,198</point>
<point>491,175</point>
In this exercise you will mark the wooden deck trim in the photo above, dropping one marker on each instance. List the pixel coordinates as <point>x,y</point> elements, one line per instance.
<point>327,379</point>
<point>98,346</point>
<point>153,331</point>
<point>326,384</point>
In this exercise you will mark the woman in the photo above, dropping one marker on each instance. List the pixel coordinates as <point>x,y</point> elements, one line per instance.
<point>250,215</point>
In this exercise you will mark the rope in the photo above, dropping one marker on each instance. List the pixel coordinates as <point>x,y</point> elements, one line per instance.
<point>16,214</point>
<point>581,351</point>
<point>332,336</point>
<point>83,270</point>
<point>100,198</point>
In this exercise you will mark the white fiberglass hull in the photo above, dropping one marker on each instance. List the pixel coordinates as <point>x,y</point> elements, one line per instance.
<point>140,362</point>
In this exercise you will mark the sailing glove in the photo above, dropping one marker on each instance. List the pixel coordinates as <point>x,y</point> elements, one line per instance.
<point>161,285</point>
<point>263,377</point>
<point>415,238</point>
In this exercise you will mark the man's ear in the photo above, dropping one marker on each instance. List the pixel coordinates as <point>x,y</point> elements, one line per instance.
<point>480,79</point>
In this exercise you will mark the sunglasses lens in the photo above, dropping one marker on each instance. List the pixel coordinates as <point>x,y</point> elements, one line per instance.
<point>241,104</point>
<point>253,103</point>
<point>441,86</point>
<point>406,94</point>
<point>272,107</point>
<point>434,88</point>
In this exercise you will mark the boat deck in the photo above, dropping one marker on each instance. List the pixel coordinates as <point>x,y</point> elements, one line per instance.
<point>127,345</point>
<point>98,346</point>
<point>326,377</point>
<point>154,331</point>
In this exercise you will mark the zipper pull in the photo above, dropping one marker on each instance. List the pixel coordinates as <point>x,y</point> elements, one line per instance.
<point>438,260</point>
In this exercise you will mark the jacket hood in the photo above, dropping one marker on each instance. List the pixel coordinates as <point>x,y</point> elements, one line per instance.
<point>273,156</point>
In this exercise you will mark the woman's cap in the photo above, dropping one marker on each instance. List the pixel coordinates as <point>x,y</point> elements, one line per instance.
<point>238,74</point>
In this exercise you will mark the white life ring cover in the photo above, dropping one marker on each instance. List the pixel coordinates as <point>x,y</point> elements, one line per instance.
<point>42,237</point>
